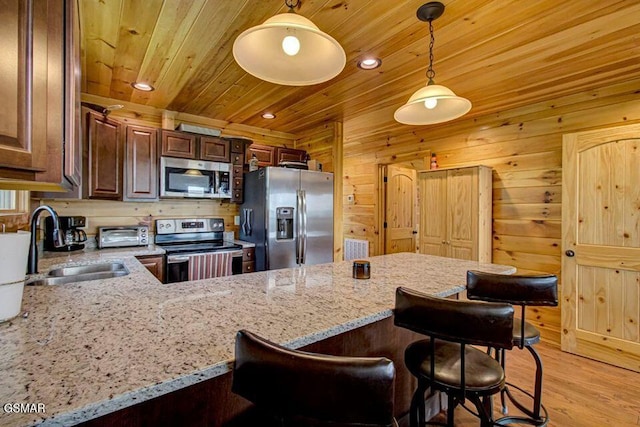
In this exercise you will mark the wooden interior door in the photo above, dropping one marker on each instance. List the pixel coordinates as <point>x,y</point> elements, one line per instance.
<point>401,210</point>
<point>601,245</point>
<point>433,213</point>
<point>462,216</point>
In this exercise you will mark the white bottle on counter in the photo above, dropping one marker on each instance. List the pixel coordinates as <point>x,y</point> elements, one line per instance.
<point>253,163</point>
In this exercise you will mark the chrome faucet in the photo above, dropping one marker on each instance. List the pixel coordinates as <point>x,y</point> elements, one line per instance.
<point>58,236</point>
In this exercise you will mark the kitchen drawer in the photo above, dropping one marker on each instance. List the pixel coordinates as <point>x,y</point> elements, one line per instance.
<point>248,254</point>
<point>237,171</point>
<point>237,158</point>
<point>248,267</point>
<point>237,145</point>
<point>237,182</point>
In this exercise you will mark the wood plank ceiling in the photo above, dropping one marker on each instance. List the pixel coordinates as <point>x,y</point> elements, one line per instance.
<point>499,54</point>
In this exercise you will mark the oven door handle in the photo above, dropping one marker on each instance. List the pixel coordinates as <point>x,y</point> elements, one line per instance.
<point>173,259</point>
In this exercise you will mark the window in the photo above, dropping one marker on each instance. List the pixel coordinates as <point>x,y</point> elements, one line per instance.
<point>13,202</point>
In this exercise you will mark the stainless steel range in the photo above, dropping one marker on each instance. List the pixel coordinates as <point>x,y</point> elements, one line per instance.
<point>195,249</point>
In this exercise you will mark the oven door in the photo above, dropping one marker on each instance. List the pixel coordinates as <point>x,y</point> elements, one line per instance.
<point>178,266</point>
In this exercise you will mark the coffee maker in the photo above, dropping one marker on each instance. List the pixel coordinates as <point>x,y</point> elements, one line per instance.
<point>70,229</point>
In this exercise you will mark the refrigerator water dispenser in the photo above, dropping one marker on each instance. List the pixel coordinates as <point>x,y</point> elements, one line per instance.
<point>284,219</point>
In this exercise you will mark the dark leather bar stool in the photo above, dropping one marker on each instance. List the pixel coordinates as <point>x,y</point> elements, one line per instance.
<point>446,361</point>
<point>308,389</point>
<point>539,290</point>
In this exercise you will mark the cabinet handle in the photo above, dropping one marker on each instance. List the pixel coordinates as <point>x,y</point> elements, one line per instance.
<point>444,242</point>
<point>570,253</point>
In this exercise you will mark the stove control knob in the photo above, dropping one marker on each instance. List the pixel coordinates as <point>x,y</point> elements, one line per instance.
<point>161,225</point>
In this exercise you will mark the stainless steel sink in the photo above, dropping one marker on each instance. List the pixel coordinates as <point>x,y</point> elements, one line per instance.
<point>81,273</point>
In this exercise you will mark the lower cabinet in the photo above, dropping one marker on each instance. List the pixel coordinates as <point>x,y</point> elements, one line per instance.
<point>155,264</point>
<point>248,260</point>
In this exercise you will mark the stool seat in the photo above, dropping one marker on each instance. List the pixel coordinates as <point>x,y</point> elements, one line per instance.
<point>531,334</point>
<point>482,373</point>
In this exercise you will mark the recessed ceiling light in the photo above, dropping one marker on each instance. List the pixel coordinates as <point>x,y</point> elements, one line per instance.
<point>146,87</point>
<point>369,63</point>
<point>268,116</point>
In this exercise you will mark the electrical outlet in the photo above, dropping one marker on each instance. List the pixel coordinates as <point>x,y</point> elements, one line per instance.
<point>236,220</point>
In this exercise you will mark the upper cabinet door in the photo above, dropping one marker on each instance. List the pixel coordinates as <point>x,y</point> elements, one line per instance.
<point>141,180</point>
<point>264,153</point>
<point>31,43</point>
<point>215,149</point>
<point>289,155</point>
<point>72,110</point>
<point>178,144</point>
<point>105,157</point>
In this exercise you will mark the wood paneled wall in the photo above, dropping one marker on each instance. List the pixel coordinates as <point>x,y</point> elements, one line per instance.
<point>111,213</point>
<point>524,148</point>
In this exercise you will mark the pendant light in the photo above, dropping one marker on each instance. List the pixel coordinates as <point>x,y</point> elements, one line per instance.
<point>433,103</point>
<point>289,49</point>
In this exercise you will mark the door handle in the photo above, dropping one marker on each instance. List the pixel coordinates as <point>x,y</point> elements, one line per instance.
<point>304,224</point>
<point>570,253</point>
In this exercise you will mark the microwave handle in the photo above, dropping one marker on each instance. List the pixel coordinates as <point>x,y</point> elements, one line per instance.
<point>246,221</point>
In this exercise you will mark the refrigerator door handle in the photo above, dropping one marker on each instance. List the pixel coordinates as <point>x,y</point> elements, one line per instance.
<point>303,244</point>
<point>246,221</point>
<point>299,227</point>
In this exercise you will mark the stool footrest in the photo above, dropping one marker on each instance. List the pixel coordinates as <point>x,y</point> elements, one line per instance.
<point>530,418</point>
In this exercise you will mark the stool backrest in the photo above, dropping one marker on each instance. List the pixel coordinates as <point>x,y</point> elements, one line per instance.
<point>292,384</point>
<point>540,290</point>
<point>466,322</point>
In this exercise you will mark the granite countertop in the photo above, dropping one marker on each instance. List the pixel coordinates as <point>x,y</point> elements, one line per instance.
<point>91,348</point>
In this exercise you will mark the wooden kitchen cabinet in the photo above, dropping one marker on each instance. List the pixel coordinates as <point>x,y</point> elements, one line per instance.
<point>238,148</point>
<point>455,213</point>
<point>141,164</point>
<point>272,156</point>
<point>39,133</point>
<point>266,154</point>
<point>178,144</point>
<point>197,147</point>
<point>248,260</point>
<point>215,149</point>
<point>104,162</point>
<point>155,264</point>
<point>289,155</point>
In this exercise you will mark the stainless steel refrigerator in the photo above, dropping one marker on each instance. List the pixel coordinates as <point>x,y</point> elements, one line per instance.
<point>288,214</point>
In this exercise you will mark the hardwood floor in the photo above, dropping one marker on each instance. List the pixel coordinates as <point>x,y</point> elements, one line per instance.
<point>577,391</point>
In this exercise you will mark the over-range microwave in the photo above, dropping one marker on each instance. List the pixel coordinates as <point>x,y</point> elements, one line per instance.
<point>195,178</point>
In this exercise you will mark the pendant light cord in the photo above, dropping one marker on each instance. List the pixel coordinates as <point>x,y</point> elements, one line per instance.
<point>430,73</point>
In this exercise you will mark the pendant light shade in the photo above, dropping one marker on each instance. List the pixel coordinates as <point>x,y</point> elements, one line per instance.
<point>289,49</point>
<point>433,103</point>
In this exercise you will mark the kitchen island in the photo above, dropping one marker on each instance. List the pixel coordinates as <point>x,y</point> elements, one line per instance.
<point>94,349</point>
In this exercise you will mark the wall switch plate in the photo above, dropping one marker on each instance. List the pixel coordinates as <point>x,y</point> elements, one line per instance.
<point>236,220</point>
